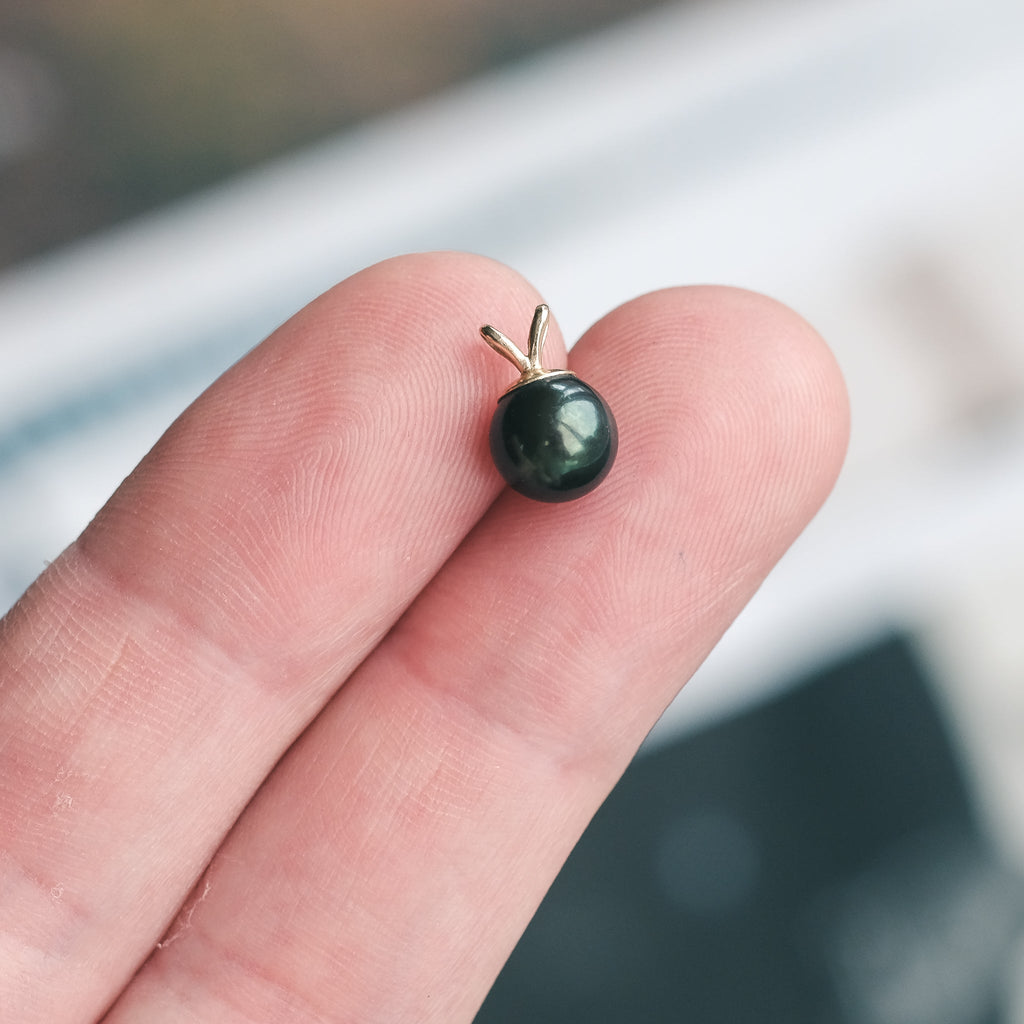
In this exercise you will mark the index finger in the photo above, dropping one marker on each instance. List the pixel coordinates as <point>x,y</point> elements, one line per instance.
<point>154,675</point>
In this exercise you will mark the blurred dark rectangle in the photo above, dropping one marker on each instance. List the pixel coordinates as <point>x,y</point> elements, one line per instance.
<point>813,860</point>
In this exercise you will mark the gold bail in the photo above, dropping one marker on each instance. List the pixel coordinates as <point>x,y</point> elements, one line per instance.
<point>527,363</point>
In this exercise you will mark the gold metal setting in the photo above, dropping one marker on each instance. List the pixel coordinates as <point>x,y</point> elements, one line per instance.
<point>529,363</point>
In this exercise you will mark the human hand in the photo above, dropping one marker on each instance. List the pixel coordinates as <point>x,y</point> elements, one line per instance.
<point>302,727</point>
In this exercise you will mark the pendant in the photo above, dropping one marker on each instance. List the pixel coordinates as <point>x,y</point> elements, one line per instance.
<point>553,438</point>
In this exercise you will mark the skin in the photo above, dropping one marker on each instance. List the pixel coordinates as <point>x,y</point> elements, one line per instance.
<point>305,723</point>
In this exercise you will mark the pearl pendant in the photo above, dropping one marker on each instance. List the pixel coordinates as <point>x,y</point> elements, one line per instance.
<point>553,438</point>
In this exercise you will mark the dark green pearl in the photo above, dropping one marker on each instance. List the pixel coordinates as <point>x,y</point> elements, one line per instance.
<point>553,439</point>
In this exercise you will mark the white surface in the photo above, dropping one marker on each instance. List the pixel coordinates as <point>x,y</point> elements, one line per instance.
<point>861,161</point>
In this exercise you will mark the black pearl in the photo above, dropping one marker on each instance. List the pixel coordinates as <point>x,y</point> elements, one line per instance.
<point>553,438</point>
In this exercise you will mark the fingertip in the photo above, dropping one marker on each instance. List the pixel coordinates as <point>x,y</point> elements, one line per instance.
<point>718,387</point>
<point>340,461</point>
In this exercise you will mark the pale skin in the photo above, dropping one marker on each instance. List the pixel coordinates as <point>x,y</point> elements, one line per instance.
<point>305,723</point>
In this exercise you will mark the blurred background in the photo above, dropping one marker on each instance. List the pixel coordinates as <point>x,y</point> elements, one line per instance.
<point>828,824</point>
